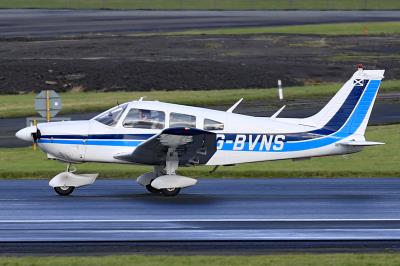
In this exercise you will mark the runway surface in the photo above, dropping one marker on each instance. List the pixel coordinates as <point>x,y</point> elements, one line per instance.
<point>213,210</point>
<point>45,23</point>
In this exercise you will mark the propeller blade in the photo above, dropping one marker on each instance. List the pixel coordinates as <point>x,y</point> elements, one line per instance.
<point>36,135</point>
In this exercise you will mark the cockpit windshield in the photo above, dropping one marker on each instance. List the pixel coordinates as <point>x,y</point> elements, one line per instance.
<point>111,116</point>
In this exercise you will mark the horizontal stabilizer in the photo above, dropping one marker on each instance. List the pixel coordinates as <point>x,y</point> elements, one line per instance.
<point>360,143</point>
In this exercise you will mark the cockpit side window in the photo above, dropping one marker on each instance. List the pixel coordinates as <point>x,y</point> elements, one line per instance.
<point>182,120</point>
<point>142,118</point>
<point>112,116</point>
<point>213,125</point>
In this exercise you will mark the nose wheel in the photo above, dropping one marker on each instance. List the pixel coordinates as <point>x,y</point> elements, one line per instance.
<point>65,183</point>
<point>64,191</point>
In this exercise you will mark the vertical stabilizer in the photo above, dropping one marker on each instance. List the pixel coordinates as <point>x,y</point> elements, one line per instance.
<point>350,109</point>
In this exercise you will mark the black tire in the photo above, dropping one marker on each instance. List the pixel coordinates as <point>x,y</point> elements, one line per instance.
<point>64,191</point>
<point>170,192</point>
<point>152,189</point>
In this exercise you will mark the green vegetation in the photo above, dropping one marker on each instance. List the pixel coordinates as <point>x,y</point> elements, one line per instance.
<point>356,28</point>
<point>276,260</point>
<point>23,104</point>
<point>378,161</point>
<point>205,4</point>
<point>363,57</point>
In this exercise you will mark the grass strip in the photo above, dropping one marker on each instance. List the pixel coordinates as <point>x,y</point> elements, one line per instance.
<point>331,29</point>
<point>276,260</point>
<point>73,102</point>
<point>378,161</point>
<point>206,4</point>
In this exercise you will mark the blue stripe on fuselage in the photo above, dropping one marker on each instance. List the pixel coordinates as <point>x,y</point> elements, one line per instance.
<point>130,140</point>
<point>103,136</point>
<point>133,143</point>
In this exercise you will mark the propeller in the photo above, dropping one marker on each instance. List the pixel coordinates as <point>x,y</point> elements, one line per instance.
<point>36,135</point>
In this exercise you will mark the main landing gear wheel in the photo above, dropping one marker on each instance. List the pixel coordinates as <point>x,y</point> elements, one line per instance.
<point>152,189</point>
<point>64,191</point>
<point>170,192</point>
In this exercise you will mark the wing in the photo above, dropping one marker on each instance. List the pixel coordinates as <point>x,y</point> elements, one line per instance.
<point>194,146</point>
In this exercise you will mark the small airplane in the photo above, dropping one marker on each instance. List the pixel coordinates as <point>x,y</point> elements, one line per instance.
<point>167,136</point>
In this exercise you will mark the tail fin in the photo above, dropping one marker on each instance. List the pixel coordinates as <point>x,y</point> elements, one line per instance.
<point>349,110</point>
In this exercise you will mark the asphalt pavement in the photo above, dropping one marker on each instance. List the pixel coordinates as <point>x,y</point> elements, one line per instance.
<point>214,210</point>
<point>48,23</point>
<point>223,212</point>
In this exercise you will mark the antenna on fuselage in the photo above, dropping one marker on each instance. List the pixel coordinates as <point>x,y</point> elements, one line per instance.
<point>230,110</point>
<point>141,98</point>
<point>278,112</point>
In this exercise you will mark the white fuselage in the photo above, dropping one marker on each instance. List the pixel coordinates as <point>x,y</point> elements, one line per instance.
<point>242,139</point>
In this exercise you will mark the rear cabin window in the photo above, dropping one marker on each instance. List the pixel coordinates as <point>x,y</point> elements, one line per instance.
<point>213,125</point>
<point>182,120</point>
<point>142,118</point>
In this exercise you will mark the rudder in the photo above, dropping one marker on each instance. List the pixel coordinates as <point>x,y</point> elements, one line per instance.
<point>349,110</point>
